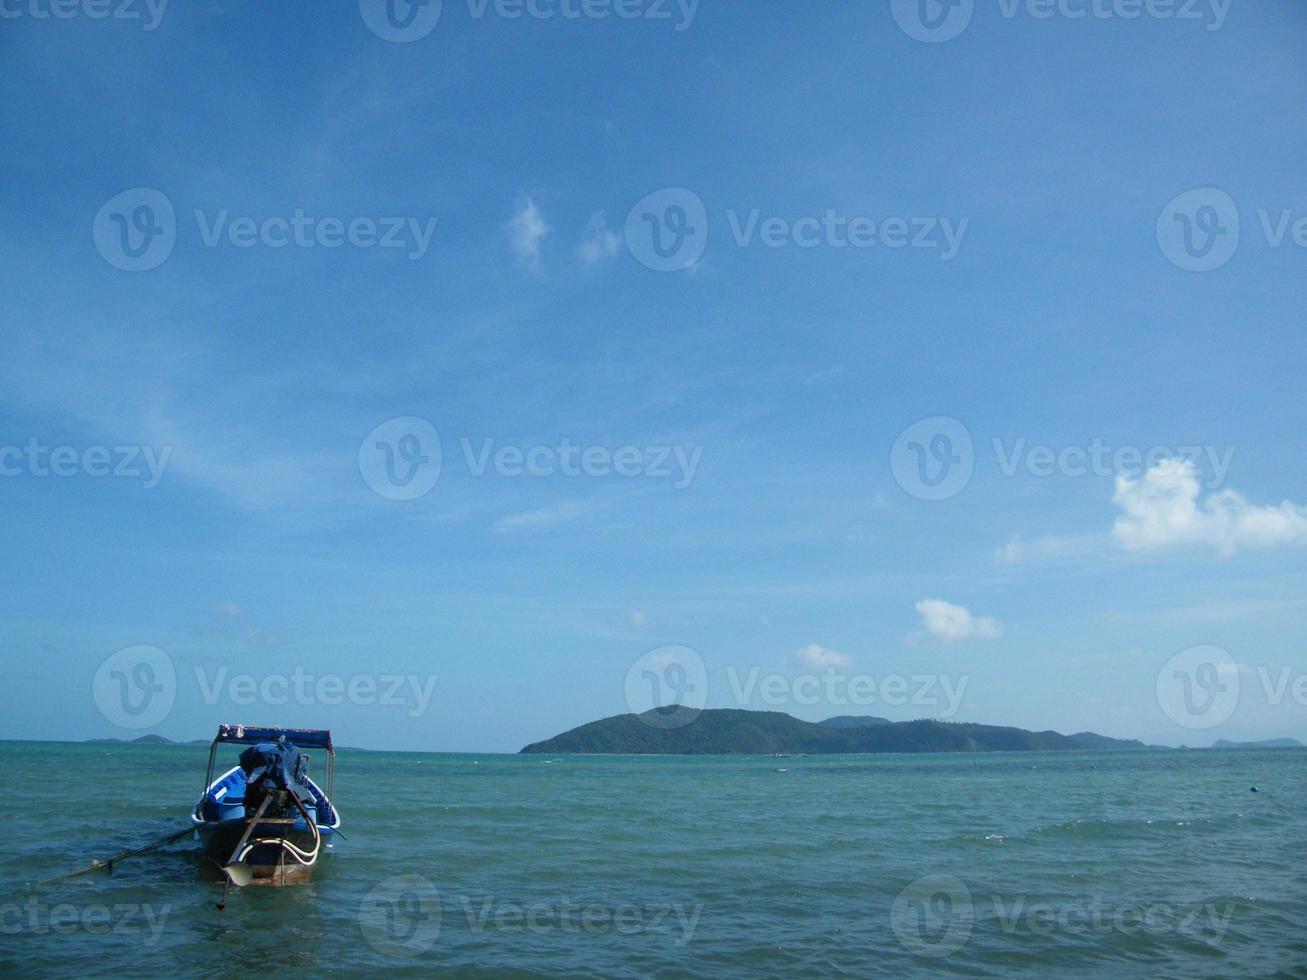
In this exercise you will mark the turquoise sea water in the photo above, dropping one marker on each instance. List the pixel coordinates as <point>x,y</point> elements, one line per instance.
<point>1026,864</point>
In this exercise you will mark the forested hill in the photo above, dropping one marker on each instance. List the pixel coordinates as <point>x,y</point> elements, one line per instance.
<point>725,731</point>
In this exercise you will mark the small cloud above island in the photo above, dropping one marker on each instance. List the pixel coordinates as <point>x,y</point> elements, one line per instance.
<point>948,623</point>
<point>815,655</point>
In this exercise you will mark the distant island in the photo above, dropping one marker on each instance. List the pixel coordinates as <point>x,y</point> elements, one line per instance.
<point>730,731</point>
<point>144,740</point>
<point>1269,743</point>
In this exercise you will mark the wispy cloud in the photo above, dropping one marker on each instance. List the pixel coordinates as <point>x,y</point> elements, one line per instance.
<point>1212,610</point>
<point>218,437</point>
<point>544,518</point>
<point>526,230</point>
<point>948,623</point>
<point>230,622</point>
<point>598,241</point>
<point>1017,549</point>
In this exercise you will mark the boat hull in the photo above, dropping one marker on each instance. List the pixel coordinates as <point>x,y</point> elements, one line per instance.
<point>270,863</point>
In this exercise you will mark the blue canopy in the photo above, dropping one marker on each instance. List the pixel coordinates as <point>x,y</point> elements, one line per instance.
<point>304,738</point>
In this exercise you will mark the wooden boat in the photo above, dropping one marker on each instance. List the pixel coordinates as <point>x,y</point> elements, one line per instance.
<point>264,820</point>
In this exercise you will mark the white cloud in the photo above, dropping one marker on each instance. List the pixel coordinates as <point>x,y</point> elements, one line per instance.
<point>1161,509</point>
<point>598,241</point>
<point>230,610</point>
<point>814,655</point>
<point>1051,546</point>
<point>944,621</point>
<point>555,515</point>
<point>526,230</point>
<point>229,621</point>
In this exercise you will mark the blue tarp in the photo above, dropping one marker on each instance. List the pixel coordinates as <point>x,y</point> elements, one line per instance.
<point>304,738</point>
<point>274,765</point>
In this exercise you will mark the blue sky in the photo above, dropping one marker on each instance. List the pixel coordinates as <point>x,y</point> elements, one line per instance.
<point>530,314</point>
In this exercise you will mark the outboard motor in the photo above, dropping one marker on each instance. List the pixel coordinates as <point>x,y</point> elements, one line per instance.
<point>277,769</point>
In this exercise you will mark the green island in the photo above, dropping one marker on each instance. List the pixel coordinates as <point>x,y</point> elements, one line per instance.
<point>729,731</point>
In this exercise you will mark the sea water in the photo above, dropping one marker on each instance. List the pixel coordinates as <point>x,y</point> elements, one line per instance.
<point>1147,863</point>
